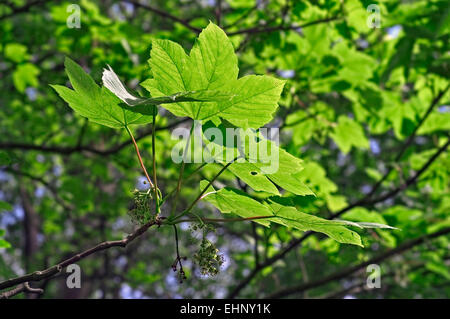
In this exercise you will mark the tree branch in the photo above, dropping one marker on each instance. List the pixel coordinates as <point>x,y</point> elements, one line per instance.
<point>25,287</point>
<point>51,271</point>
<point>281,27</point>
<point>363,202</point>
<point>350,270</point>
<point>164,14</point>
<point>410,139</point>
<point>68,150</point>
<point>47,185</point>
<point>22,9</point>
<point>140,159</point>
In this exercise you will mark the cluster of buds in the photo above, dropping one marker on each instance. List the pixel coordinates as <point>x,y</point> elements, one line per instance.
<point>141,213</point>
<point>207,257</point>
<point>181,273</point>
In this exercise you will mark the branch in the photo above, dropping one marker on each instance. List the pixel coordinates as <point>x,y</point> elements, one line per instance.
<point>22,9</point>
<point>281,27</point>
<point>140,159</point>
<point>25,287</point>
<point>68,150</point>
<point>355,288</point>
<point>367,201</point>
<point>362,202</point>
<point>180,176</point>
<point>202,193</point>
<point>223,220</point>
<point>51,271</point>
<point>242,17</point>
<point>47,185</point>
<point>410,139</point>
<point>164,14</point>
<point>350,270</point>
<point>218,12</point>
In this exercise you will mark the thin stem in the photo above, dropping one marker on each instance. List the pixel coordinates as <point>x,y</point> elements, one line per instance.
<point>178,259</point>
<point>200,196</point>
<point>139,156</point>
<point>53,270</point>
<point>255,246</point>
<point>155,111</point>
<point>409,141</point>
<point>185,179</point>
<point>223,220</point>
<point>180,177</point>
<point>176,241</point>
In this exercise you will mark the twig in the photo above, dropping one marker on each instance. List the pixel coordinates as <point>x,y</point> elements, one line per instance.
<point>140,158</point>
<point>22,9</point>
<point>409,140</point>
<point>199,197</point>
<point>51,271</point>
<point>282,27</point>
<point>242,17</point>
<point>25,287</point>
<point>68,150</point>
<point>362,202</point>
<point>155,111</point>
<point>180,177</point>
<point>218,12</point>
<point>224,220</point>
<point>181,274</point>
<point>348,271</point>
<point>164,14</point>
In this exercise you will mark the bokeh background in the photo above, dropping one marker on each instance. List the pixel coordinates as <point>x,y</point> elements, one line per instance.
<point>366,106</point>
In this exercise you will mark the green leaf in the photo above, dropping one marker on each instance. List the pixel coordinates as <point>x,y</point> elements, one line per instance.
<point>266,164</point>
<point>349,133</point>
<point>113,84</point>
<point>212,64</point>
<point>291,217</point>
<point>5,159</point>
<point>229,200</point>
<point>439,267</point>
<point>103,105</point>
<point>25,75</point>
<point>4,206</point>
<point>16,52</point>
<point>402,57</point>
<point>251,175</point>
<point>4,243</point>
<point>97,104</point>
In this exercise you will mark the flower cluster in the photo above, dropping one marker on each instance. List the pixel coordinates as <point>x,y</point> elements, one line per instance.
<point>207,257</point>
<point>141,213</point>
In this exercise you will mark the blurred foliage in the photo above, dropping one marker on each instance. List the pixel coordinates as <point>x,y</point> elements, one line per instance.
<point>354,95</point>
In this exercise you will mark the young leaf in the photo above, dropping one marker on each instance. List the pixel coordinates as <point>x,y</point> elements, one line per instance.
<point>112,82</point>
<point>104,105</point>
<point>291,217</point>
<point>97,104</point>
<point>212,64</point>
<point>349,133</point>
<point>4,206</point>
<point>265,164</point>
<point>229,200</point>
